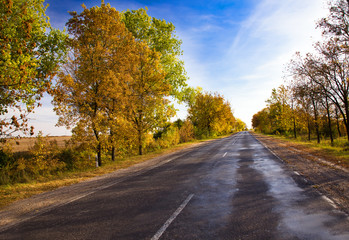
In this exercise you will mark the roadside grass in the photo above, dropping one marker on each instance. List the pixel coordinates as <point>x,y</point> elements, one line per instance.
<point>13,192</point>
<point>337,153</point>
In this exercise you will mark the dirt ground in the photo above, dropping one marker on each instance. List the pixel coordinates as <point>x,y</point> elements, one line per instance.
<point>321,172</point>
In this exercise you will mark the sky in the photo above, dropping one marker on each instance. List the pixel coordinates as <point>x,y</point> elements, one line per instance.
<point>238,48</point>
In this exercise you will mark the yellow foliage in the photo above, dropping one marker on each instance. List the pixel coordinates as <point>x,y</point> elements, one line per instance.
<point>44,160</point>
<point>186,132</point>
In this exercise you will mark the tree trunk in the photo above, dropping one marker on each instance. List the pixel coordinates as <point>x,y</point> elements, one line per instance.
<point>317,131</point>
<point>329,120</point>
<point>338,127</point>
<point>99,148</point>
<point>346,123</point>
<point>140,150</point>
<point>308,129</point>
<point>316,123</point>
<point>99,154</point>
<point>113,153</point>
<point>294,128</point>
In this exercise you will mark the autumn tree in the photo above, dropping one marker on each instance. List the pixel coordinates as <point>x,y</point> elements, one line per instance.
<point>186,131</point>
<point>160,36</point>
<point>280,110</point>
<point>335,51</point>
<point>239,125</point>
<point>303,101</point>
<point>333,76</point>
<point>90,91</point>
<point>147,105</point>
<point>336,25</point>
<point>211,114</point>
<point>30,54</point>
<point>327,74</point>
<point>320,86</point>
<point>261,121</point>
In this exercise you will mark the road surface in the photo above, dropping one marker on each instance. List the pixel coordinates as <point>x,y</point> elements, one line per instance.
<point>231,188</point>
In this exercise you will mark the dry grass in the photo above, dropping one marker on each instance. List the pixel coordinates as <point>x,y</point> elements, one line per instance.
<point>23,144</point>
<point>338,153</point>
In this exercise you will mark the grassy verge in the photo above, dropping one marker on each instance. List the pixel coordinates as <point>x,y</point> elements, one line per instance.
<point>14,192</point>
<point>337,153</point>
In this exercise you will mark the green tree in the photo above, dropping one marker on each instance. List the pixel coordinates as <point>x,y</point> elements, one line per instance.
<point>160,36</point>
<point>30,55</point>
<point>280,110</point>
<point>148,107</point>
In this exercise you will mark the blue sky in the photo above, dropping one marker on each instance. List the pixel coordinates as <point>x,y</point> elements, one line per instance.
<point>238,48</point>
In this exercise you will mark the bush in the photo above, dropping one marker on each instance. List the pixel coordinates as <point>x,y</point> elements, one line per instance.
<point>186,132</point>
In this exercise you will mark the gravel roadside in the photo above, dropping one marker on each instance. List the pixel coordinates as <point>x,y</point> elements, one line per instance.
<point>319,172</point>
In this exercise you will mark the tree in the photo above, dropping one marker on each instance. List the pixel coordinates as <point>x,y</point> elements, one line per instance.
<point>260,121</point>
<point>280,110</point>
<point>30,55</point>
<point>148,107</point>
<point>333,76</point>
<point>303,101</point>
<point>90,91</point>
<point>186,131</point>
<point>211,115</point>
<point>309,87</point>
<point>239,125</point>
<point>336,25</point>
<point>335,52</point>
<point>159,35</point>
<point>327,74</point>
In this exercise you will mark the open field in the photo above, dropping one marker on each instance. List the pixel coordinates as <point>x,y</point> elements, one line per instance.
<point>23,144</point>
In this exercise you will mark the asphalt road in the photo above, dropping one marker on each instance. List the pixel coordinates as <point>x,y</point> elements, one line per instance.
<point>232,188</point>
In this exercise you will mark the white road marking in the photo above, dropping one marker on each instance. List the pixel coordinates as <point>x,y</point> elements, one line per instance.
<point>225,154</point>
<point>173,217</point>
<point>329,201</point>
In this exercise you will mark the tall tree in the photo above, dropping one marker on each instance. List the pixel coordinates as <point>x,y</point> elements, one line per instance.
<point>91,89</point>
<point>280,110</point>
<point>147,105</point>
<point>336,25</point>
<point>30,54</point>
<point>329,72</point>
<point>308,86</point>
<point>160,36</point>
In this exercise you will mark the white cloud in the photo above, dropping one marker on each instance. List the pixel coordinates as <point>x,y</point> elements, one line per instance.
<point>263,46</point>
<point>253,61</point>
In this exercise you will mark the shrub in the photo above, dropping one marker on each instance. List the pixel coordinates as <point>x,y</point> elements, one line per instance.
<point>186,132</point>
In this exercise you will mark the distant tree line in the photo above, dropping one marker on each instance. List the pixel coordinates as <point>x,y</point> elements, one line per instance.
<point>315,101</point>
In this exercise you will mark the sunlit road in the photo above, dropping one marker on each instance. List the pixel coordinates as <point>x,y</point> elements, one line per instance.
<point>232,188</point>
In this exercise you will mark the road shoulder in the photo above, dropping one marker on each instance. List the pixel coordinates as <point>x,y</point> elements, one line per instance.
<point>320,173</point>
